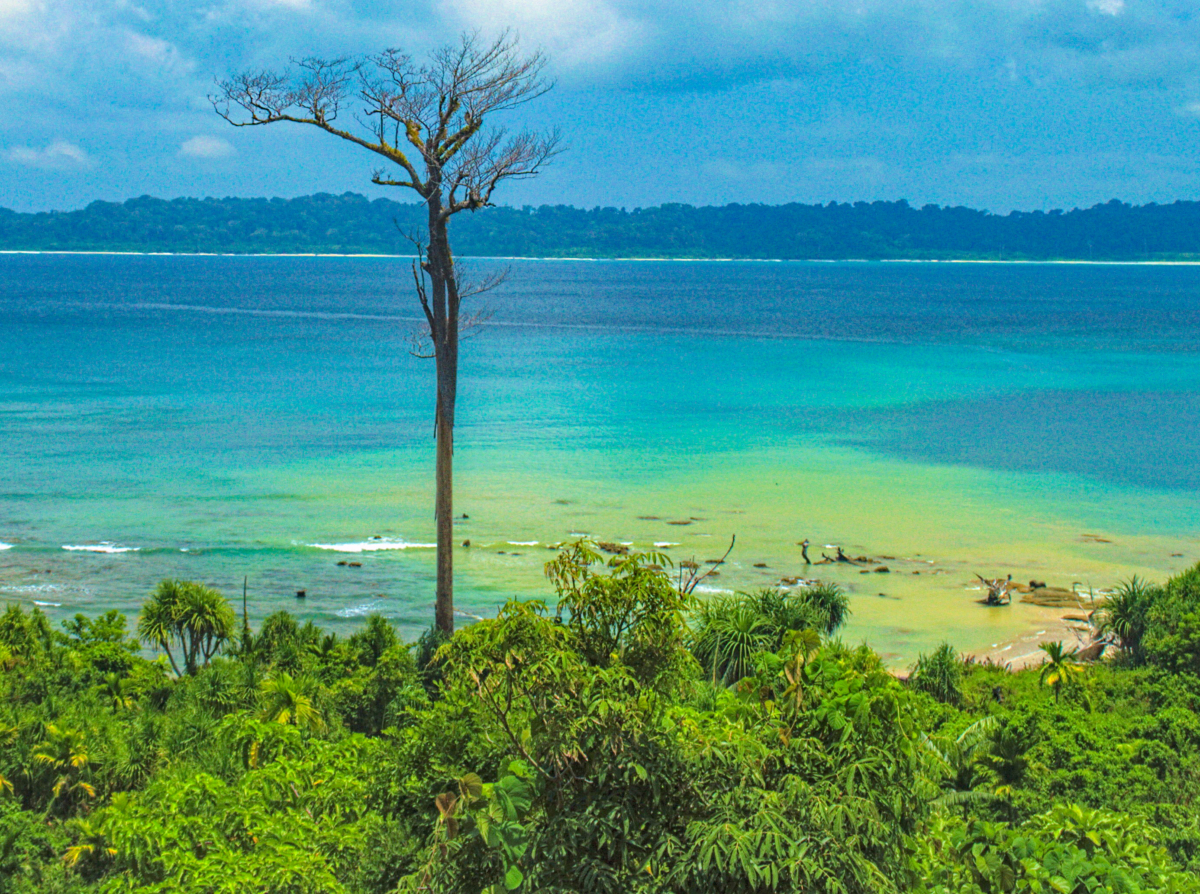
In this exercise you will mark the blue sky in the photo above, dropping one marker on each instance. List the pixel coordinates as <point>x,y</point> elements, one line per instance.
<point>994,103</point>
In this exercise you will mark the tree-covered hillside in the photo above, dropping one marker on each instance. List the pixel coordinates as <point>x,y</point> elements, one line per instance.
<point>353,224</point>
<point>632,739</point>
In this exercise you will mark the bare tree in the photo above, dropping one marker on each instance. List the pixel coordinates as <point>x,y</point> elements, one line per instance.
<point>429,122</point>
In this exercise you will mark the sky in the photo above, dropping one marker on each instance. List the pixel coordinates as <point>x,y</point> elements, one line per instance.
<point>995,104</point>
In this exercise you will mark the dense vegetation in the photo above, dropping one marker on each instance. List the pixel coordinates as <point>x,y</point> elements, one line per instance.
<point>623,740</point>
<point>351,224</point>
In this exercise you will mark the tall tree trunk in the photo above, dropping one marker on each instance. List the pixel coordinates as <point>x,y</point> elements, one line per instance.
<point>444,514</point>
<point>445,338</point>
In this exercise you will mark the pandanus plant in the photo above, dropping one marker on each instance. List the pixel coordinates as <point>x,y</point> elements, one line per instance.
<point>189,616</point>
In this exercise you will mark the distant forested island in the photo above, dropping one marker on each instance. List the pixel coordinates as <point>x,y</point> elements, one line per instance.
<point>352,224</point>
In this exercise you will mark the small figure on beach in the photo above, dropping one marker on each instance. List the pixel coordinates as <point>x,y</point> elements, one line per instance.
<point>804,551</point>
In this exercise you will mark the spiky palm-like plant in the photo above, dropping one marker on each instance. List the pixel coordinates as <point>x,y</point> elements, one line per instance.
<point>939,673</point>
<point>731,632</point>
<point>1060,669</point>
<point>1125,616</point>
<point>196,619</point>
<point>285,702</point>
<point>64,752</point>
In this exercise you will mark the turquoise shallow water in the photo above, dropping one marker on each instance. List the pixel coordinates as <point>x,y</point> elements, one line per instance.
<point>231,418</point>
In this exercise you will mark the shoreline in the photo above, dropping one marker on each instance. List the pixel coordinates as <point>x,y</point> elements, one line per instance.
<point>600,260</point>
<point>1024,650</point>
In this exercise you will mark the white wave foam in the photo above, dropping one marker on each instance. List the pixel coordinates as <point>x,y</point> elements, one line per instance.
<point>522,542</point>
<point>4,546</point>
<point>712,591</point>
<point>359,611</point>
<point>32,588</point>
<point>100,548</point>
<point>661,544</point>
<point>369,546</point>
<point>47,604</point>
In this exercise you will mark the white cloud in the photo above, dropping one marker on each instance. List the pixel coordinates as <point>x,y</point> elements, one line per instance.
<point>206,147</point>
<point>1107,7</point>
<point>576,33</point>
<point>59,154</point>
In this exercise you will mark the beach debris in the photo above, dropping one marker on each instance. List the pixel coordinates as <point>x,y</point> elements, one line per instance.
<point>689,582</point>
<point>998,590</point>
<point>614,549</point>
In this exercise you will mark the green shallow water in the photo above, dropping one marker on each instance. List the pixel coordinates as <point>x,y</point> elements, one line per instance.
<point>230,418</point>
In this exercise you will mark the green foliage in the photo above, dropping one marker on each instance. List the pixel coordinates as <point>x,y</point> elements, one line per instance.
<point>940,673</point>
<point>1068,849</point>
<point>729,631</point>
<point>1172,638</point>
<point>304,762</point>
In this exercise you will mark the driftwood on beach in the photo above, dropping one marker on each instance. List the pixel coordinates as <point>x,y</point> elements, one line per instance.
<point>998,590</point>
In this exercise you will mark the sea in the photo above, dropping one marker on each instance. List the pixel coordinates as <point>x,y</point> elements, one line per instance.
<point>261,424</point>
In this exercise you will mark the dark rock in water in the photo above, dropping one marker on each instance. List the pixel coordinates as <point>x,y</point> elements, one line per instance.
<point>466,543</point>
<point>1037,585</point>
<point>761,565</point>
<point>376,537</point>
<point>862,558</point>
<point>683,522</point>
<point>648,518</point>
<point>883,569</point>
<point>464,515</point>
<point>1176,555</point>
<point>654,568</point>
<point>714,574</point>
<point>688,564</point>
<point>342,563</point>
<point>1053,597</point>
<point>501,552</point>
<point>916,572</point>
<point>301,594</point>
<point>356,564</point>
<point>615,549</point>
<point>865,571</point>
<point>789,581</point>
<point>713,561</point>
